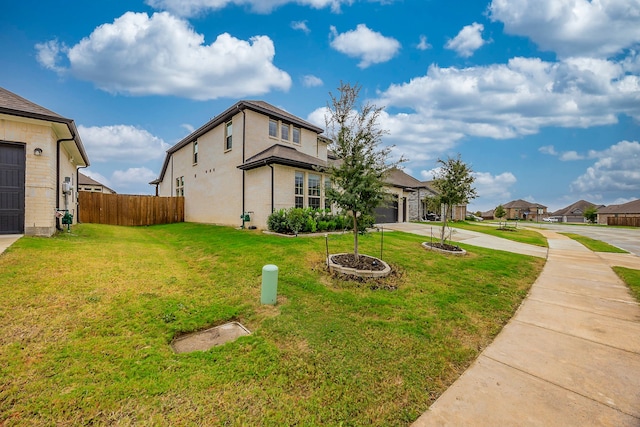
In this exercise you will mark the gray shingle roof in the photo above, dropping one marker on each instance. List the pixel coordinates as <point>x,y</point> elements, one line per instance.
<point>633,207</point>
<point>283,155</point>
<point>576,208</point>
<point>522,204</point>
<point>15,105</point>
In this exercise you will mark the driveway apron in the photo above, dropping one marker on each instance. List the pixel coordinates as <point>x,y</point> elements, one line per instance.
<point>569,357</point>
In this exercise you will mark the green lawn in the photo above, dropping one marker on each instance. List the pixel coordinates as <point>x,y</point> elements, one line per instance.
<point>88,317</point>
<point>631,278</point>
<point>593,244</point>
<point>519,234</point>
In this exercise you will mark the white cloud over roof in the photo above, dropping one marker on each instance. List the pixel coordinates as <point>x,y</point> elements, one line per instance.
<point>195,7</point>
<point>121,142</point>
<point>616,169</point>
<point>599,28</point>
<point>163,55</point>
<point>370,46</point>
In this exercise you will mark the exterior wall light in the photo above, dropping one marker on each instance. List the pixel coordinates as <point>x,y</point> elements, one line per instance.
<point>37,151</point>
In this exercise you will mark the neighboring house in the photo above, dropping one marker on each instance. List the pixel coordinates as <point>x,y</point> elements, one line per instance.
<point>523,210</point>
<point>88,184</point>
<point>40,153</point>
<point>407,200</point>
<point>490,214</point>
<point>629,210</point>
<point>253,158</point>
<point>575,212</point>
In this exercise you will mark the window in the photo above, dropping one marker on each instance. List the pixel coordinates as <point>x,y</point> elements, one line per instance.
<point>273,128</point>
<point>228,137</point>
<point>195,152</point>
<point>299,190</point>
<point>180,186</point>
<point>327,186</point>
<point>314,191</point>
<point>284,131</point>
<point>296,135</point>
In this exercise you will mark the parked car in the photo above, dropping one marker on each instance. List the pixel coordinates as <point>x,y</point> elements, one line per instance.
<point>551,219</point>
<point>431,217</point>
<point>472,217</point>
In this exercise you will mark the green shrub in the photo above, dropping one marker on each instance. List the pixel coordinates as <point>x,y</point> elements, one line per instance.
<point>277,222</point>
<point>308,220</point>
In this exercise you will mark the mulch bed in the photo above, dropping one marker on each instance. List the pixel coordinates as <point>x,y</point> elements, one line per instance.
<point>363,262</point>
<point>445,247</point>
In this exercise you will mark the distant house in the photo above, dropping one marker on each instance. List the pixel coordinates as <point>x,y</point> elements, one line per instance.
<point>88,184</point>
<point>626,210</point>
<point>40,153</point>
<point>523,210</point>
<point>575,212</point>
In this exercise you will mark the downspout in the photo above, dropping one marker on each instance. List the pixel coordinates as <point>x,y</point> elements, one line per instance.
<point>58,143</point>
<point>272,193</point>
<point>244,128</point>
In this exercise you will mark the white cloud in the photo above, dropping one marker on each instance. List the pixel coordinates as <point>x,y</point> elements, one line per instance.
<point>568,156</point>
<point>494,186</point>
<point>468,40</point>
<point>300,25</point>
<point>548,149</point>
<point>370,46</point>
<point>134,178</point>
<point>48,54</point>
<point>617,169</point>
<point>599,28</point>
<point>188,127</point>
<point>502,101</point>
<point>423,45</point>
<point>163,55</point>
<point>121,143</point>
<point>189,8</point>
<point>311,81</point>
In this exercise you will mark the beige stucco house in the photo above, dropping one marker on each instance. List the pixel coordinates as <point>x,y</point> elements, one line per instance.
<point>254,158</point>
<point>40,153</point>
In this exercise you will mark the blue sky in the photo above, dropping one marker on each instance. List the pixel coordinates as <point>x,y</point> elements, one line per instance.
<point>540,97</point>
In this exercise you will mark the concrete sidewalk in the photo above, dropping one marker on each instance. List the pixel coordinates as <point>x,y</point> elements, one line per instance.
<point>7,240</point>
<point>469,237</point>
<point>569,357</point>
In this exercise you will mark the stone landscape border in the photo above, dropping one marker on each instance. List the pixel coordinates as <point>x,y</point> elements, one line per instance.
<point>336,268</point>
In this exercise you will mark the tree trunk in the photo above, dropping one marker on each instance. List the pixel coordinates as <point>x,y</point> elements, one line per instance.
<point>444,223</point>
<point>355,236</point>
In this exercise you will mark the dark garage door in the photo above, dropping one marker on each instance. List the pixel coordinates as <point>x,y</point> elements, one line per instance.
<point>388,212</point>
<point>12,166</point>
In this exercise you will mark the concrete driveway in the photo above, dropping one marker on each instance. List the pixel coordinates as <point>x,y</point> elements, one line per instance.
<point>624,238</point>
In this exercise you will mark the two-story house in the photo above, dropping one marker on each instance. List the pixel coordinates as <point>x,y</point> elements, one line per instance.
<point>253,158</point>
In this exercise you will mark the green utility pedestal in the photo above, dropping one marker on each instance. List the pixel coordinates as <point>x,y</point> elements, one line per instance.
<point>269,292</point>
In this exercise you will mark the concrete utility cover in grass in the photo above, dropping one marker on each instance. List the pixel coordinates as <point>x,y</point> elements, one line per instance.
<point>204,340</point>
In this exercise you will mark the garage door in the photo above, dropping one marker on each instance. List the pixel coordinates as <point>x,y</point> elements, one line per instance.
<point>386,213</point>
<point>12,166</point>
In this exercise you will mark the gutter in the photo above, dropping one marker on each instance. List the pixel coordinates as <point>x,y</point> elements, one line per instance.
<point>244,128</point>
<point>58,143</point>
<point>272,192</point>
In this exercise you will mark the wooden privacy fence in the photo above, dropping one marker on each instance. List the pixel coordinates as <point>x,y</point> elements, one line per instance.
<point>629,221</point>
<point>122,209</point>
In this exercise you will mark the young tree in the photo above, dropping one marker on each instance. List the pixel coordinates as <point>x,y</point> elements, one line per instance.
<point>591,214</point>
<point>453,181</point>
<point>358,175</point>
<point>500,213</point>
